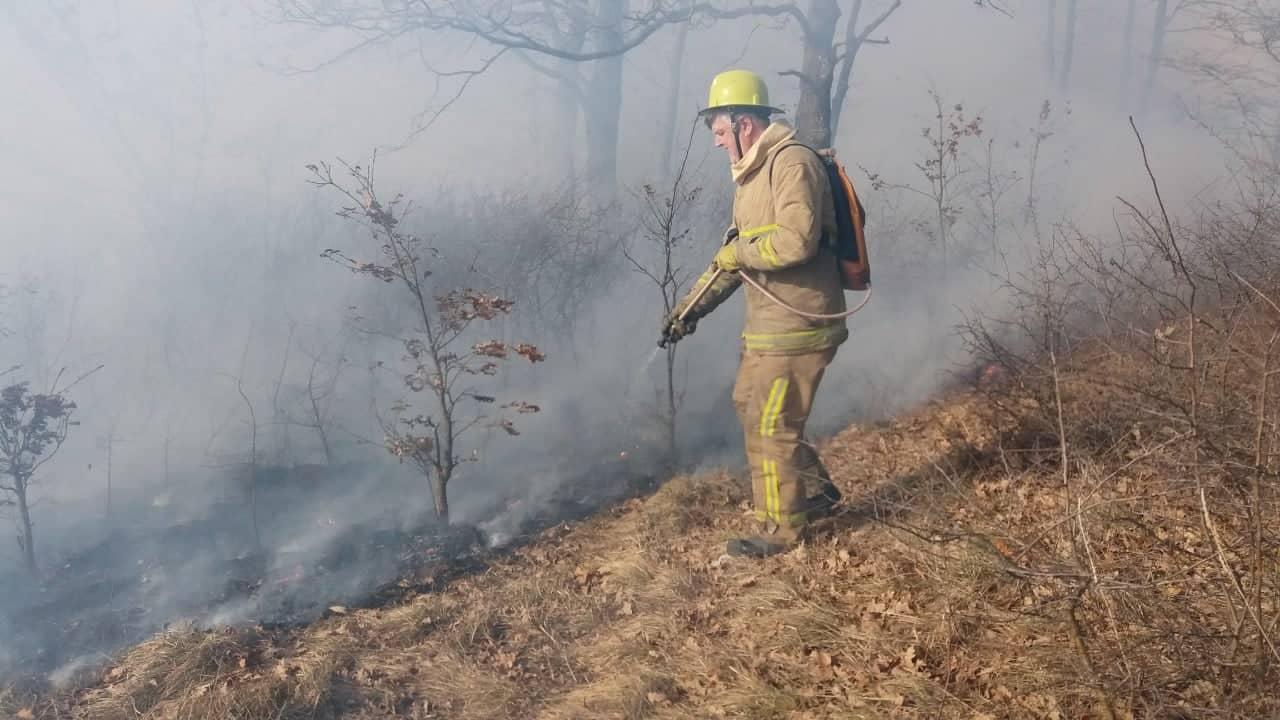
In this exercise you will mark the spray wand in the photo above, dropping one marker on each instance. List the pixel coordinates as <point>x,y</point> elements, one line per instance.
<point>697,297</point>
<point>729,236</point>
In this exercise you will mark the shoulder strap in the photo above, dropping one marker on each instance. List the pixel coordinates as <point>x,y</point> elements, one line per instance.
<point>789,144</point>
<point>796,143</point>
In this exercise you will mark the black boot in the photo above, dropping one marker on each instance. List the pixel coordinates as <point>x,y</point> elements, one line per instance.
<point>754,547</point>
<point>824,503</point>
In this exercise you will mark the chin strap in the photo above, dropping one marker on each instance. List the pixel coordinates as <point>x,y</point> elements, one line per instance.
<point>737,133</point>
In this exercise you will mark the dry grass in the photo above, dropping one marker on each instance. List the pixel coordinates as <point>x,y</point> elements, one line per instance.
<point>948,591</point>
<point>192,674</point>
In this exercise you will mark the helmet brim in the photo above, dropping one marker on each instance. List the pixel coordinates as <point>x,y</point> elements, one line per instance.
<point>768,109</point>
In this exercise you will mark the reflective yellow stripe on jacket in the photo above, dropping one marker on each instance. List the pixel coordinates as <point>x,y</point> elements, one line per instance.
<point>800,341</point>
<point>764,235</point>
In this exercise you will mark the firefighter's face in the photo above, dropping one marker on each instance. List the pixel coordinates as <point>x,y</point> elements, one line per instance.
<point>722,132</point>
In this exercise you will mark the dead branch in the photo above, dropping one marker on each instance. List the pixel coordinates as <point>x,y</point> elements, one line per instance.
<point>1231,575</point>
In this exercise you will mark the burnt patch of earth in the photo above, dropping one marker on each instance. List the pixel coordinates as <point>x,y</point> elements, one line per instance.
<point>302,563</point>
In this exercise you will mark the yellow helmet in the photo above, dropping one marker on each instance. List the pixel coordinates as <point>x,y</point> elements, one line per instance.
<point>738,89</point>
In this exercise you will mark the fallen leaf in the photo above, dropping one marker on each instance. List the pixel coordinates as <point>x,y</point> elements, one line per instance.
<point>26,713</point>
<point>505,660</point>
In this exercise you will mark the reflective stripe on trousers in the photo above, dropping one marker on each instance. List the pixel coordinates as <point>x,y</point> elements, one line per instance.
<point>774,395</point>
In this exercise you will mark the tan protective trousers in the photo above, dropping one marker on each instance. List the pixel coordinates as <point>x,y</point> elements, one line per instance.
<point>773,395</point>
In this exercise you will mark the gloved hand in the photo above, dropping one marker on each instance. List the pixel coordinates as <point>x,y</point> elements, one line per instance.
<point>675,329</point>
<point>727,258</point>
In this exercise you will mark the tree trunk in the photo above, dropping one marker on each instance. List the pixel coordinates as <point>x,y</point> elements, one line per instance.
<point>324,443</point>
<point>1275,140</point>
<point>1069,45</point>
<point>1051,40</point>
<point>851,47</point>
<point>669,123</point>
<point>27,539</point>
<point>1130,19</point>
<point>602,108</point>
<point>110,438</point>
<point>813,112</point>
<point>439,493</point>
<point>1157,51</point>
<point>568,103</point>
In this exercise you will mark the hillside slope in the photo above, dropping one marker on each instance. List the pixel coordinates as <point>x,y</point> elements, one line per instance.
<point>910,603</point>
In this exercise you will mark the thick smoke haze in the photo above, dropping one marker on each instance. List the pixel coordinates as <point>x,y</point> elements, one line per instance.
<point>157,223</point>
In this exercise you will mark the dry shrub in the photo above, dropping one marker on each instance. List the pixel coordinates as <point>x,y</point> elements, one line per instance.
<point>1136,505</point>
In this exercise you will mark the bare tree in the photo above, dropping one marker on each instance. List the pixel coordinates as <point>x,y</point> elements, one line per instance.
<point>562,32</point>
<point>1240,106</point>
<point>318,399</point>
<point>1165,15</point>
<point>664,238</point>
<point>33,427</point>
<point>820,59</point>
<point>669,118</point>
<point>437,362</point>
<point>108,443</point>
<point>942,167</point>
<point>531,28</point>
<point>1130,21</point>
<point>249,477</point>
<point>990,190</point>
<point>279,414</point>
<point>855,37</point>
<point>1051,40</point>
<point>1069,45</point>
<point>1159,30</point>
<point>1043,130</point>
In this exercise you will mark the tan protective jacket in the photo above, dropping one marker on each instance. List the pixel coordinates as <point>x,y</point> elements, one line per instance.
<point>781,226</point>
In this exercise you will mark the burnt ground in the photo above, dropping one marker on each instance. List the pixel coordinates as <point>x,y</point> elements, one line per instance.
<point>209,570</point>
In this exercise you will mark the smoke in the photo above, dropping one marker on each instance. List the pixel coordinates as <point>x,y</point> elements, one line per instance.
<point>159,224</point>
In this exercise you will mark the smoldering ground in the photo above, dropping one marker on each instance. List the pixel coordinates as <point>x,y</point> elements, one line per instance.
<point>160,226</point>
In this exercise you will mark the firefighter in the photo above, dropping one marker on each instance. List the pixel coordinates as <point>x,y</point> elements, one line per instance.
<point>782,214</point>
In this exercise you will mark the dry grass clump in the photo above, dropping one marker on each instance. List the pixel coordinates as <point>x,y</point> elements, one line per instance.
<point>630,693</point>
<point>191,674</point>
<point>685,502</point>
<point>430,683</point>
